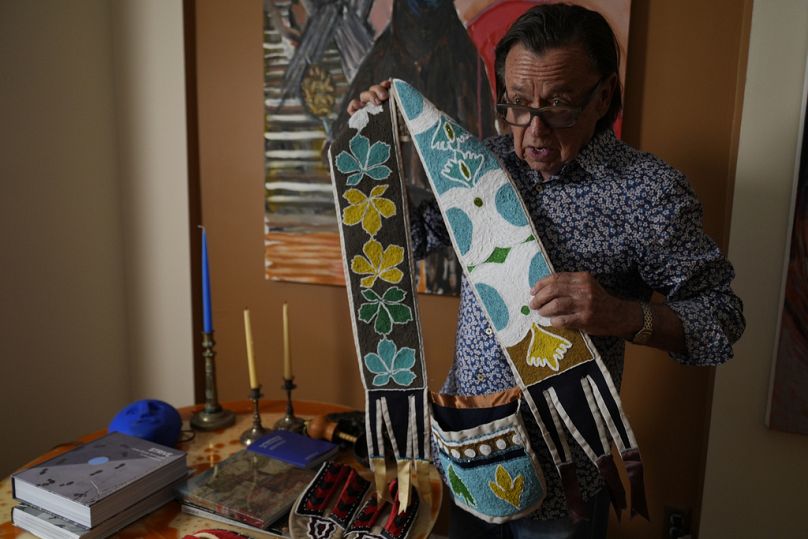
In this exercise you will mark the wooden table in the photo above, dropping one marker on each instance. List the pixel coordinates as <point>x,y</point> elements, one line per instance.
<point>204,450</point>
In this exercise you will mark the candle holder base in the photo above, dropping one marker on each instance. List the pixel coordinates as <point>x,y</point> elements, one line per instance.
<point>252,434</point>
<point>212,420</point>
<point>289,421</point>
<point>213,416</point>
<point>257,430</point>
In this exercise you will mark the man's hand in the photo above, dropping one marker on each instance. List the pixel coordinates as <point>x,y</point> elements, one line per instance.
<point>376,94</point>
<point>577,301</point>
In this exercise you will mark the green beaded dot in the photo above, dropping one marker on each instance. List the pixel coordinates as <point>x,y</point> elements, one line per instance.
<point>478,202</point>
<point>525,309</point>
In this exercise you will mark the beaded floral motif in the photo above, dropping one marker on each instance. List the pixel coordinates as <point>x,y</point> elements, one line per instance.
<point>367,209</point>
<point>378,263</point>
<point>391,363</point>
<point>387,309</point>
<point>507,488</point>
<point>364,159</point>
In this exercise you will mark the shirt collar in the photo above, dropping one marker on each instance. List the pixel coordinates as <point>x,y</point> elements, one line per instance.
<point>597,152</point>
<point>592,158</point>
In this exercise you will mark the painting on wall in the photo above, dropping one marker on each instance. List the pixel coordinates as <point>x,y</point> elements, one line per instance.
<point>318,55</point>
<point>788,393</point>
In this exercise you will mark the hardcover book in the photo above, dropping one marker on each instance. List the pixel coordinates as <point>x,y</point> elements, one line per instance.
<point>247,487</point>
<point>278,527</point>
<point>50,526</point>
<point>98,480</point>
<point>296,449</point>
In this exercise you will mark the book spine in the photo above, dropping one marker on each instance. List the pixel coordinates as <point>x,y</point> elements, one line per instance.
<point>226,511</point>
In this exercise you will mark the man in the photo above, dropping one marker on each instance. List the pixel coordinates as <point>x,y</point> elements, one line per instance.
<point>618,224</point>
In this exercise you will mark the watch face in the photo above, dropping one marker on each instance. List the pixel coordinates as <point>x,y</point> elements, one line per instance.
<point>642,336</point>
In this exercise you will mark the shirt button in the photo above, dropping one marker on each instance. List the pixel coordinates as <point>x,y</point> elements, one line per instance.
<point>480,377</point>
<point>489,331</point>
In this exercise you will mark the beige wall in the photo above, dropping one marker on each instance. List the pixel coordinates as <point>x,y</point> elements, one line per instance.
<point>756,483</point>
<point>94,297</point>
<point>149,74</point>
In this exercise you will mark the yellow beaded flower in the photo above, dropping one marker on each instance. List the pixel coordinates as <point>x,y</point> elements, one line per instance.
<point>378,263</point>
<point>507,488</point>
<point>367,209</point>
<point>546,349</point>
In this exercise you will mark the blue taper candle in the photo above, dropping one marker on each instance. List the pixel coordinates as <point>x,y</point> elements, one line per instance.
<point>207,319</point>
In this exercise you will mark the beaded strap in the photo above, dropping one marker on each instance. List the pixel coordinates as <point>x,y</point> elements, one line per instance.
<point>564,381</point>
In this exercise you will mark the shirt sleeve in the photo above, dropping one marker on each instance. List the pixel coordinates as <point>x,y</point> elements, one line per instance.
<point>427,229</point>
<point>683,263</point>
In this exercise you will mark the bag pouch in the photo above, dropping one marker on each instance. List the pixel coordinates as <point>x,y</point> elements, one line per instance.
<point>485,456</point>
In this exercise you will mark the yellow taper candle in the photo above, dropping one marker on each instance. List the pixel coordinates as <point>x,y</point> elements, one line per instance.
<point>250,355</point>
<point>287,360</point>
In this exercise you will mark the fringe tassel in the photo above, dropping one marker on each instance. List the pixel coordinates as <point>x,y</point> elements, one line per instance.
<point>379,468</point>
<point>587,407</point>
<point>562,452</point>
<point>422,468</point>
<point>617,494</point>
<point>410,451</point>
<point>575,504</point>
<point>377,463</point>
<point>403,474</point>
<point>633,464</point>
<point>597,413</point>
<point>606,414</point>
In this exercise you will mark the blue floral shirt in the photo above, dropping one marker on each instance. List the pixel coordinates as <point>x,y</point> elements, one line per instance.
<point>635,224</point>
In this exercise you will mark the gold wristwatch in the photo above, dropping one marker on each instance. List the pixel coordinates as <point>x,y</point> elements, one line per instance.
<point>642,336</point>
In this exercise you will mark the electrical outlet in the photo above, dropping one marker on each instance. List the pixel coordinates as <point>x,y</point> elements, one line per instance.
<point>677,522</point>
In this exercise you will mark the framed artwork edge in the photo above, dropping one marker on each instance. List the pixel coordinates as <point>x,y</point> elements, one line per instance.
<point>784,276</point>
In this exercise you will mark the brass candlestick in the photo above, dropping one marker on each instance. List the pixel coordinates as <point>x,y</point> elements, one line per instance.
<point>213,416</point>
<point>289,421</point>
<point>257,430</point>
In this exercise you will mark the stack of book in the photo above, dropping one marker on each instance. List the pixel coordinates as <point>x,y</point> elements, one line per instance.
<point>254,488</point>
<point>97,488</point>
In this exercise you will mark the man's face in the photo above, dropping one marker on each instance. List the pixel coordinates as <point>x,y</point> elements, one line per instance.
<point>561,76</point>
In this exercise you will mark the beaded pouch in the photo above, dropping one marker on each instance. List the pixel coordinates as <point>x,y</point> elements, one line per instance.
<point>484,453</point>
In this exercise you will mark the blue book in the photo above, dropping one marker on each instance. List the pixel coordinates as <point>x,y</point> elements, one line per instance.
<point>295,449</point>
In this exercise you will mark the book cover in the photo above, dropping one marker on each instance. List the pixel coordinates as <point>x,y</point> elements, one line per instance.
<point>296,449</point>
<point>50,526</point>
<point>99,479</point>
<point>247,487</point>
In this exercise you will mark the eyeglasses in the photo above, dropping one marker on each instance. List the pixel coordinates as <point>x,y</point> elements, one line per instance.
<point>555,116</point>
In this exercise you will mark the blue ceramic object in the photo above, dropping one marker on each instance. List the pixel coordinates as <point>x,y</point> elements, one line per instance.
<point>150,419</point>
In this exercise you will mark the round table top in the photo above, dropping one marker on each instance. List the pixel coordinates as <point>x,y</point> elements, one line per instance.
<point>205,449</point>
